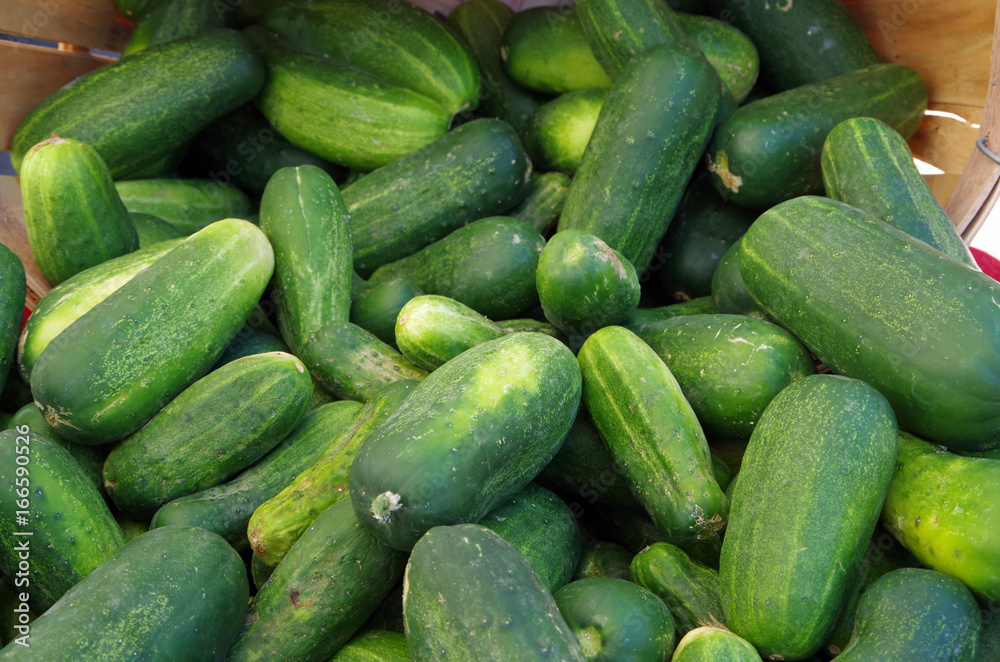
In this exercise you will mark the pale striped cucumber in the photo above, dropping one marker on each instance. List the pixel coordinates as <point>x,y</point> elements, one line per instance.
<point>432,329</point>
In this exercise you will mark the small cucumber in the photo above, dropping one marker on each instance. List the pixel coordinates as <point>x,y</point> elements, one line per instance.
<point>247,342</point>
<point>374,646</point>
<point>689,589</point>
<point>90,458</point>
<point>152,229</point>
<point>433,329</point>
<point>708,644</point>
<point>603,559</point>
<point>732,53</point>
<point>187,204</point>
<point>377,309</point>
<point>558,132</point>
<point>544,202</point>
<point>13,288</point>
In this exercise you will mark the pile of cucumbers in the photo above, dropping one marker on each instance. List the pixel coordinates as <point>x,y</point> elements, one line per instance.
<point>622,330</point>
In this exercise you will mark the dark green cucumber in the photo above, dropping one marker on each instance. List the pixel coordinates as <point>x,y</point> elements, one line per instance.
<point>278,522</point>
<point>167,20</point>
<point>804,507</point>
<point>868,165</point>
<point>532,325</point>
<point>615,619</point>
<point>152,229</point>
<point>13,288</point>
<point>203,290</point>
<point>55,527</point>
<point>688,588</point>
<point>399,42</point>
<point>654,436</point>
<point>132,528</point>
<point>469,595</point>
<point>801,42</point>
<point>729,292</point>
<point>433,329</point>
<point>90,458</point>
<point>498,413</point>
<point>730,52</point>
<point>215,428</point>
<point>247,342</point>
<point>187,204</point>
<point>374,646</point>
<point>650,135</point>
<point>640,318</point>
<point>542,527</point>
<point>558,132</point>
<point>172,90</point>
<point>226,508</point>
<point>488,265</point>
<point>873,303</point>
<point>377,309</point>
<point>544,202</point>
<point>474,171</point>
<point>989,637</point>
<point>708,644</point>
<point>170,594</point>
<point>305,219</point>
<point>74,217</point>
<point>728,366</point>
<point>603,559</point>
<point>543,49</point>
<point>769,150</point>
<point>352,363</point>
<point>323,590</point>
<point>480,25</point>
<point>939,510</point>
<point>915,614</point>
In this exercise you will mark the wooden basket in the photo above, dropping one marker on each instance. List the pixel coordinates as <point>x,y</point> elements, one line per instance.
<point>950,42</point>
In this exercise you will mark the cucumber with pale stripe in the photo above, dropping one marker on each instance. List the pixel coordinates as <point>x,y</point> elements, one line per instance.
<point>433,329</point>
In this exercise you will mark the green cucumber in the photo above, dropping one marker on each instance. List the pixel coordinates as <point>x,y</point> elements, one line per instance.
<point>377,309</point>
<point>187,204</point>
<point>558,132</point>
<point>729,292</point>
<point>13,288</point>
<point>614,619</point>
<point>226,508</point>
<point>498,413</point>
<point>247,342</point>
<point>939,509</point>
<point>55,527</point>
<point>544,202</point>
<point>641,318</point>
<point>143,107</point>
<point>132,528</point>
<point>875,304</point>
<point>90,458</point>
<point>543,50</point>
<point>93,392</point>
<point>533,326</point>
<point>915,614</point>
<point>73,215</point>
<point>868,165</point>
<point>650,135</point>
<point>469,595</point>
<point>654,436</point>
<point>374,646</point>
<point>474,171</point>
<point>707,644</point>
<point>769,150</point>
<point>689,589</point>
<point>433,329</point>
<point>603,559</point>
<point>541,526</point>
<point>152,229</point>
<point>167,20</point>
<point>488,265</point>
<point>804,507</point>
<point>173,593</point>
<point>731,52</point>
<point>305,219</point>
<point>989,637</point>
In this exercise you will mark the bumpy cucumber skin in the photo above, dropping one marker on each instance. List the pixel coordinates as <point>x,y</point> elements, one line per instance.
<point>498,413</point>
<point>804,507</point>
<point>488,265</point>
<point>940,508</point>
<point>72,530</point>
<point>875,304</point>
<point>73,215</point>
<point>915,614</point>
<point>558,132</point>
<point>733,55</point>
<point>324,589</point>
<point>226,508</point>
<point>707,644</point>
<point>377,309</point>
<point>689,589</point>
<point>13,288</point>
<point>650,134</point>
<point>655,438</point>
<point>304,217</point>
<point>544,202</point>
<point>202,291</point>
<point>469,595</point>
<point>173,91</point>
<point>769,150</point>
<point>476,170</point>
<point>432,329</point>
<point>374,646</point>
<point>188,204</point>
<point>868,165</point>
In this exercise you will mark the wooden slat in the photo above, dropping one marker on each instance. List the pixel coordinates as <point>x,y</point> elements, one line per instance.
<point>15,237</point>
<point>89,23</point>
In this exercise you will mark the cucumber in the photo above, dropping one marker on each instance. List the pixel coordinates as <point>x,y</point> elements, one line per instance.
<point>247,342</point>
<point>641,318</point>
<point>934,499</point>
<point>187,204</point>
<point>167,20</point>
<point>226,508</point>
<point>652,130</point>
<point>321,593</point>
<point>688,588</point>
<point>488,265</point>
<point>544,202</point>
<point>915,614</point>
<point>558,132</point>
<point>474,171</point>
<point>204,289</point>
<point>813,263</point>
<point>706,644</point>
<point>90,458</point>
<point>603,559</point>
<point>374,646</point>
<point>73,215</point>
<point>13,288</point>
<point>469,595</point>
<point>152,229</point>
<point>432,330</point>
<point>769,150</point>
<point>804,506</point>
<point>55,527</point>
<point>141,108</point>
<point>531,325</point>
<point>499,412</point>
<point>729,292</point>
<point>377,309</point>
<point>305,219</point>
<point>863,155</point>
<point>731,53</point>
<point>656,441</point>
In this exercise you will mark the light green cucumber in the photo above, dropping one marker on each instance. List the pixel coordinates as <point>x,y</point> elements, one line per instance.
<point>558,132</point>
<point>152,229</point>
<point>707,644</point>
<point>432,329</point>
<point>689,589</point>
<point>733,55</point>
<point>374,646</point>
<point>185,203</point>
